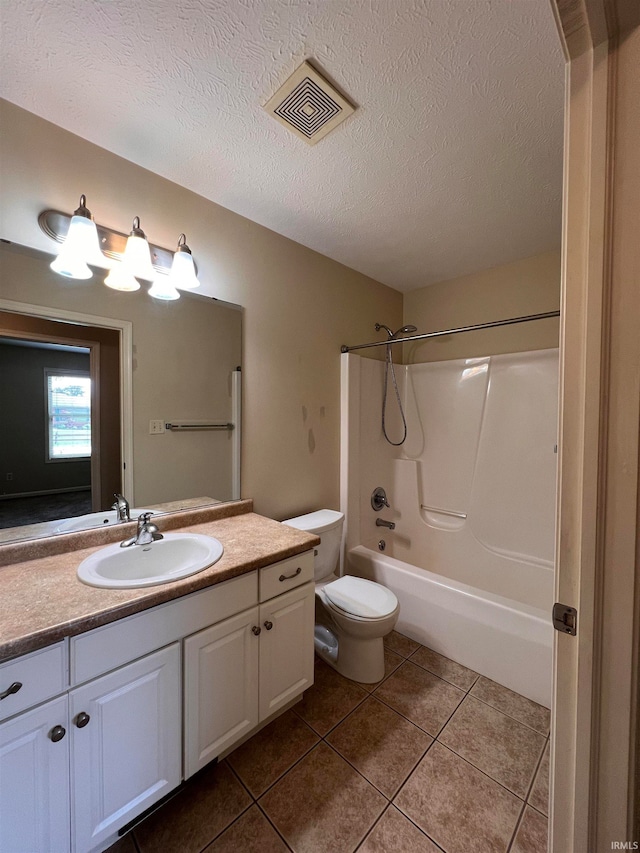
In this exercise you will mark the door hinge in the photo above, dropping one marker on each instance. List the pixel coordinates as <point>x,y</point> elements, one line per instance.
<point>565,619</point>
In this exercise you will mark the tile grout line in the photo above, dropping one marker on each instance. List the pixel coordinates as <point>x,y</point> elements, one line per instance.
<point>360,773</point>
<point>275,828</point>
<point>288,770</point>
<point>478,699</point>
<point>218,834</point>
<point>375,823</point>
<point>426,834</point>
<point>426,668</point>
<point>533,782</point>
<point>462,758</point>
<point>516,828</point>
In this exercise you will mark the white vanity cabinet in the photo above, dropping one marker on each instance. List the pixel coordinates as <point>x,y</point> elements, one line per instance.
<point>126,739</point>
<point>34,780</point>
<point>91,759</point>
<point>34,752</point>
<point>220,688</point>
<point>105,724</point>
<point>286,659</point>
<point>240,672</point>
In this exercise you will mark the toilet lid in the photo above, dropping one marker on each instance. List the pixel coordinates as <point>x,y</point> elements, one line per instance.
<point>360,597</point>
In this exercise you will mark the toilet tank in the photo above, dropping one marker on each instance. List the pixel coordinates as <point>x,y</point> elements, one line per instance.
<point>327,524</point>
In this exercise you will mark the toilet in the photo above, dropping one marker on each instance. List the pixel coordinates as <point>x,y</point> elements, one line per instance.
<point>352,614</point>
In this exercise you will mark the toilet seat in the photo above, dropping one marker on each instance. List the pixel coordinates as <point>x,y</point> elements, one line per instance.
<point>360,598</point>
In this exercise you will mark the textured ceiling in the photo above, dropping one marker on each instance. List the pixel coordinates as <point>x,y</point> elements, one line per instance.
<point>451,164</point>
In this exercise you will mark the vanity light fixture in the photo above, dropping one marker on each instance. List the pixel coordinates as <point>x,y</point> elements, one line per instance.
<point>183,272</point>
<point>121,278</point>
<point>136,262</point>
<point>135,258</point>
<point>80,247</point>
<point>162,288</point>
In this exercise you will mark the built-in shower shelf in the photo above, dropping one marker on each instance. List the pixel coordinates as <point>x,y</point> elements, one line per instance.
<point>450,512</point>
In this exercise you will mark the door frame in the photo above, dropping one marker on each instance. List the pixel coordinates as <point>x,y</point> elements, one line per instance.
<point>595,706</point>
<point>94,373</point>
<point>125,328</point>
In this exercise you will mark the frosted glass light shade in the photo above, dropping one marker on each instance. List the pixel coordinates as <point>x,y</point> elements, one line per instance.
<point>120,278</point>
<point>163,289</point>
<point>183,271</point>
<point>137,258</point>
<point>81,247</point>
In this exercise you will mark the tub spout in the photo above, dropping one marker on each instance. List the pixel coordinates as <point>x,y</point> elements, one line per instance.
<point>380,522</point>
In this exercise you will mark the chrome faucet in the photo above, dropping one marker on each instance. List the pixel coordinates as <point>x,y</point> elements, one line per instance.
<point>146,533</point>
<point>121,507</point>
<point>380,522</point>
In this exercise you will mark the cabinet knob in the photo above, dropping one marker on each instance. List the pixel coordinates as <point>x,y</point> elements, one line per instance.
<point>12,688</point>
<point>57,733</point>
<point>82,719</point>
<point>256,629</point>
<point>268,625</point>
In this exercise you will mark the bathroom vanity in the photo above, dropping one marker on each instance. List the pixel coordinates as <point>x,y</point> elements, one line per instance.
<point>133,691</point>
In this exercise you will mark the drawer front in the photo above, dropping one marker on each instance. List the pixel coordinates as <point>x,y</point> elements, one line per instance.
<point>113,645</point>
<point>285,575</point>
<point>41,674</point>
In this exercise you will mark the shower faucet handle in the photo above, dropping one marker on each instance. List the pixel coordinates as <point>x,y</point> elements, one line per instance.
<point>379,499</point>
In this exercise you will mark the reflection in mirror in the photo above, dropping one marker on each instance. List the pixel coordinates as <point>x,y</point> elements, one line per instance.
<point>151,364</point>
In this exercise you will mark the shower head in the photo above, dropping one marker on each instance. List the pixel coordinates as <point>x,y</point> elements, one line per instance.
<point>405,330</point>
<point>386,328</point>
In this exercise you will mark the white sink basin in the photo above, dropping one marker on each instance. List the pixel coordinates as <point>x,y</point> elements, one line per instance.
<point>94,519</point>
<point>176,556</point>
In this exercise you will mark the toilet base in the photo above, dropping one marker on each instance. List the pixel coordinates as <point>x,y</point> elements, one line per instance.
<point>325,643</point>
<point>358,660</point>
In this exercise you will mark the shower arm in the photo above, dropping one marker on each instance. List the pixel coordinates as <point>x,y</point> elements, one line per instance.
<point>426,335</point>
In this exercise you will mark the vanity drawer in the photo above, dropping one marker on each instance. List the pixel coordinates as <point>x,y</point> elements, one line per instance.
<point>285,575</point>
<point>125,640</point>
<point>41,674</point>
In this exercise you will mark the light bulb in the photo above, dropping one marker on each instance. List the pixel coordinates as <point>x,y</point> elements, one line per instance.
<point>162,288</point>
<point>183,271</point>
<point>121,279</point>
<point>81,246</point>
<point>137,256</point>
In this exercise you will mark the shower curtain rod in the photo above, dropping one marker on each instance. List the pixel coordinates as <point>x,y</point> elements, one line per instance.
<point>426,335</point>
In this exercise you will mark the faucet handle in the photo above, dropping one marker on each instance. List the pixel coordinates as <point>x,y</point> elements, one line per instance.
<point>121,506</point>
<point>379,499</point>
<point>144,519</point>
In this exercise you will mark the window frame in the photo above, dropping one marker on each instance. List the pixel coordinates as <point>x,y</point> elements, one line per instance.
<point>58,371</point>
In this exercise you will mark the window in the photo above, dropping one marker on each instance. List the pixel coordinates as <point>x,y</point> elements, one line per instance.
<point>68,395</point>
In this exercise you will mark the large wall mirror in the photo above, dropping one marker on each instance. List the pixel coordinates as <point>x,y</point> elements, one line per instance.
<point>105,392</point>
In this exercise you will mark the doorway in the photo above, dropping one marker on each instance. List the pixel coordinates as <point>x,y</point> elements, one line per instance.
<point>61,445</point>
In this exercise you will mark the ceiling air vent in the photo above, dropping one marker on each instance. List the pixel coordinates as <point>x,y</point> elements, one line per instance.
<point>308,105</point>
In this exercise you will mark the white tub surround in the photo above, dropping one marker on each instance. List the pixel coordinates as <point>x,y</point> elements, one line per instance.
<point>471,493</point>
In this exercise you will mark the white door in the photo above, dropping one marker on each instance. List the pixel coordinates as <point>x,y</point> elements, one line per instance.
<point>34,781</point>
<point>286,648</point>
<point>125,750</point>
<point>221,687</point>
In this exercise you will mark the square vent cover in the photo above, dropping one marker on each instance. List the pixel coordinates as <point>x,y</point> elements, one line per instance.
<point>308,105</point>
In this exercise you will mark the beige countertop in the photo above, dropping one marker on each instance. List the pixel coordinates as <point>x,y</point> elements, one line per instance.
<point>42,600</point>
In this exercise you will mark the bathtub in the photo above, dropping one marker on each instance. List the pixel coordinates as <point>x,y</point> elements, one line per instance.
<point>502,639</point>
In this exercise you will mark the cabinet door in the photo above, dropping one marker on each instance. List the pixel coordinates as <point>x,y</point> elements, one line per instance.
<point>221,687</point>
<point>34,781</point>
<point>286,648</point>
<point>127,754</point>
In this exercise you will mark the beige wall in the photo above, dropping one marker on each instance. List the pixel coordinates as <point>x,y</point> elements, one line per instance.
<point>299,306</point>
<point>529,286</point>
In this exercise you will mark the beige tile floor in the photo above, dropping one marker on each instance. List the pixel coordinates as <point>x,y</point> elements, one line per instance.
<point>433,758</point>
